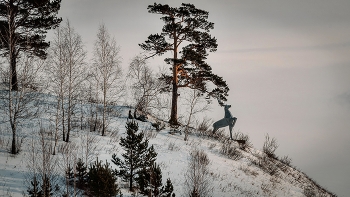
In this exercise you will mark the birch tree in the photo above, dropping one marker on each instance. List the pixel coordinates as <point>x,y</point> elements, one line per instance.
<point>146,88</point>
<point>22,105</point>
<point>108,72</point>
<point>75,56</point>
<point>57,74</point>
<point>42,168</point>
<point>197,180</point>
<point>194,103</point>
<point>67,72</point>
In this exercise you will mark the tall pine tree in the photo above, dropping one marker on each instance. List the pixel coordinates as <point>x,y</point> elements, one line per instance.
<point>137,154</point>
<point>23,25</point>
<point>186,26</point>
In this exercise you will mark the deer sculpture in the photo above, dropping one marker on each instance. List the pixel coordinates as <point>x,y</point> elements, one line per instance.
<point>228,120</point>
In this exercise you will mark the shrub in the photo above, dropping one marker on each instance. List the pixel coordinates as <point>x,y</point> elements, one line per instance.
<point>284,163</point>
<point>228,149</point>
<point>220,135</point>
<point>204,127</point>
<point>149,134</point>
<point>248,171</point>
<point>95,124</point>
<point>158,125</point>
<point>266,164</point>
<point>211,146</point>
<point>197,177</point>
<point>286,160</point>
<point>173,147</point>
<point>270,146</point>
<point>309,191</point>
<point>18,142</point>
<point>237,136</point>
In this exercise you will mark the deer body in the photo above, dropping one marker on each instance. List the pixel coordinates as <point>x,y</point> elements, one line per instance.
<point>228,120</point>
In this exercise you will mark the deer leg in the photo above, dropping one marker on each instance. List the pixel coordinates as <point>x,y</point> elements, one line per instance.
<point>230,127</point>
<point>234,121</point>
<point>214,128</point>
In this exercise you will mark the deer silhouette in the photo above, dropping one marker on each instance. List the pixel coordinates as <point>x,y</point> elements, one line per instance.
<point>228,120</point>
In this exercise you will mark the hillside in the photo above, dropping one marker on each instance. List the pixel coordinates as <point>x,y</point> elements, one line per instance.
<point>235,169</point>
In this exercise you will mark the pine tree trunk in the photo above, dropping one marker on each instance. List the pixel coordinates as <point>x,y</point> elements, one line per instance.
<point>130,180</point>
<point>173,115</point>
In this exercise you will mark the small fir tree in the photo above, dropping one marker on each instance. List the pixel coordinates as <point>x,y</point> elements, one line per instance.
<point>167,190</point>
<point>143,180</point>
<point>150,182</point>
<point>81,174</point>
<point>102,180</point>
<point>69,172</point>
<point>34,190</point>
<point>194,193</point>
<point>137,154</point>
<point>46,187</point>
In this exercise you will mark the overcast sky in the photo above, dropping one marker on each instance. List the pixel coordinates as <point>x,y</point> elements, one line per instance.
<point>287,64</point>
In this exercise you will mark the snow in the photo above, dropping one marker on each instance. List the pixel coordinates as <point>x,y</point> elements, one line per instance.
<point>229,177</point>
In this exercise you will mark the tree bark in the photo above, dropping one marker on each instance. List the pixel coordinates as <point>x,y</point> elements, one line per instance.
<point>13,147</point>
<point>63,120</point>
<point>13,75</point>
<point>104,109</point>
<point>14,80</point>
<point>69,118</point>
<point>130,179</point>
<point>173,115</point>
<point>12,48</point>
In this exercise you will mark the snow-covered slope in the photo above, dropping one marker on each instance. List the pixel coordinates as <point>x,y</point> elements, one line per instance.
<point>233,171</point>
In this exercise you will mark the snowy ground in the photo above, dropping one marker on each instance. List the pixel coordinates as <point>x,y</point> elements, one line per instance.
<point>230,177</point>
